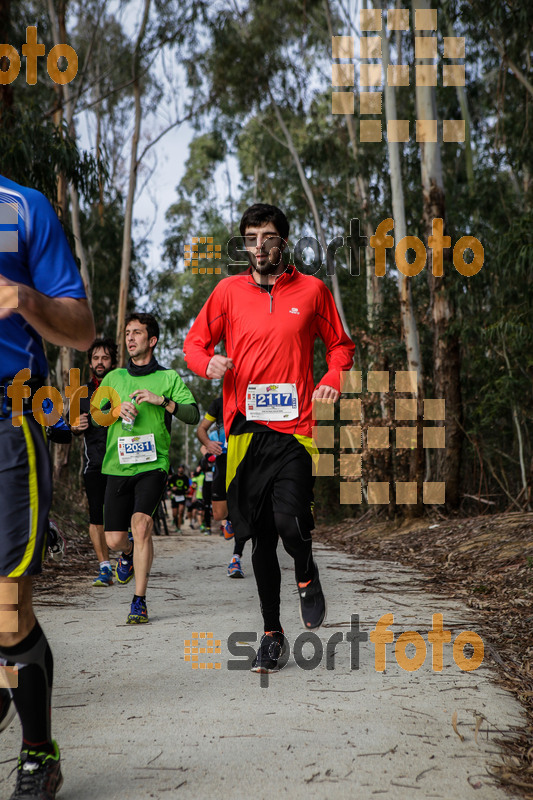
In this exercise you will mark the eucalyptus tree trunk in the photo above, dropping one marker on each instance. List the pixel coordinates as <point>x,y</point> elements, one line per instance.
<point>132,184</point>
<point>68,102</point>
<point>60,452</point>
<point>374,293</point>
<point>409,326</point>
<point>446,349</point>
<point>312,205</point>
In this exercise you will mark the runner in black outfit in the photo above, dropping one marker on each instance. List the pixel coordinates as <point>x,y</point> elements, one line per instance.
<point>102,356</point>
<point>178,485</point>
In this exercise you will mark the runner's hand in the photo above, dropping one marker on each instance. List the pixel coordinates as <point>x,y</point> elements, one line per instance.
<point>215,448</point>
<point>128,411</point>
<point>7,293</point>
<point>84,423</point>
<point>327,393</point>
<point>144,396</point>
<point>218,366</point>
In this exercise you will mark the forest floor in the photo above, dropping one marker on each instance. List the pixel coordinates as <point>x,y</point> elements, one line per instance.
<point>484,561</point>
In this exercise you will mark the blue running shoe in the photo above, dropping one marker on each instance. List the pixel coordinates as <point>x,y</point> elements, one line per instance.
<point>124,569</point>
<point>235,569</point>
<point>228,530</point>
<point>138,612</point>
<point>104,577</point>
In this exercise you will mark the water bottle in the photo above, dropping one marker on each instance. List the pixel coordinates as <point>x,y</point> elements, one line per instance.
<point>128,425</point>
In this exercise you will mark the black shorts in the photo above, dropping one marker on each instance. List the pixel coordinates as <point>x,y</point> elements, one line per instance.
<point>95,484</point>
<point>125,497</point>
<point>268,472</point>
<point>176,503</point>
<point>219,478</point>
<point>25,496</point>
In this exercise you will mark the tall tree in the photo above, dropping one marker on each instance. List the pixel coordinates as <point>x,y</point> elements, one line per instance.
<point>446,348</point>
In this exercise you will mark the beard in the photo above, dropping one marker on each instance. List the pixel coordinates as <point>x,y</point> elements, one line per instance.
<point>267,267</point>
<point>101,372</point>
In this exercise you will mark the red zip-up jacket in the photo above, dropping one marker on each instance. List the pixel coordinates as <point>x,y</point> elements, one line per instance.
<point>270,339</point>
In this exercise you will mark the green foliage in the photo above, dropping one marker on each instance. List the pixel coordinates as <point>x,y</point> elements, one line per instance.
<point>23,143</point>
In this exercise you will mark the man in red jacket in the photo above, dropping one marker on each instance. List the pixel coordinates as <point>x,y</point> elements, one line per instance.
<point>269,318</point>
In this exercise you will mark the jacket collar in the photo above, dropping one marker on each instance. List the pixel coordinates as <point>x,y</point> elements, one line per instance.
<point>289,274</point>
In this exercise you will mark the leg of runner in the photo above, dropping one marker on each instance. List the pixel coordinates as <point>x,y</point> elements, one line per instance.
<point>220,510</point>
<point>175,510</point>
<point>296,538</point>
<point>105,576</point>
<point>268,577</point>
<point>235,568</point>
<point>95,487</point>
<point>29,649</point>
<point>181,509</point>
<point>143,552</point>
<point>25,495</point>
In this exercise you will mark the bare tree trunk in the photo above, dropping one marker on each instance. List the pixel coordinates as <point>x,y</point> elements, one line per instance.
<point>446,350</point>
<point>60,37</point>
<point>60,452</point>
<point>409,326</point>
<point>518,429</point>
<point>313,206</point>
<point>132,184</point>
<point>374,293</point>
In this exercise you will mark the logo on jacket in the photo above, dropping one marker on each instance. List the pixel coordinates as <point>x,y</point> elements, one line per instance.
<point>293,311</point>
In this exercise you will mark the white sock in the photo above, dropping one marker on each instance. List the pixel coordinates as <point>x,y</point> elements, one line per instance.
<point>104,564</point>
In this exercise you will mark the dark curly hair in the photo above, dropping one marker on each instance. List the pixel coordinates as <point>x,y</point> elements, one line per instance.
<point>109,345</point>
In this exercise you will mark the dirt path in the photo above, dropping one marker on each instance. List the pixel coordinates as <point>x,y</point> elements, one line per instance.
<point>135,720</point>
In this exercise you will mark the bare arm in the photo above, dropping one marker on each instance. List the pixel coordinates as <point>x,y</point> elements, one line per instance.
<point>60,320</point>
<point>215,448</point>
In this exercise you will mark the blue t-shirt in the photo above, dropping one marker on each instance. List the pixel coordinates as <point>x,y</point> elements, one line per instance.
<point>33,251</point>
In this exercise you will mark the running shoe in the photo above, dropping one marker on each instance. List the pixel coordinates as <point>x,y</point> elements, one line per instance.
<point>104,577</point>
<point>56,542</point>
<point>7,709</point>
<point>312,603</point>
<point>273,646</point>
<point>138,612</point>
<point>38,775</point>
<point>234,568</point>
<point>124,568</point>
<point>229,533</point>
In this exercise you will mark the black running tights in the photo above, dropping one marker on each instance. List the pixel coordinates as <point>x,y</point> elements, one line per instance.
<point>296,538</point>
